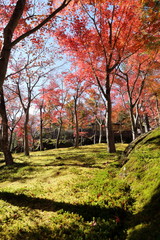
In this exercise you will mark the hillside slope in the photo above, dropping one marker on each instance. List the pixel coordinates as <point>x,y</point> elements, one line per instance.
<point>142,173</point>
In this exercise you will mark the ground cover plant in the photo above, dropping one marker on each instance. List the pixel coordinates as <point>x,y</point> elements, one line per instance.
<point>142,173</point>
<point>84,193</point>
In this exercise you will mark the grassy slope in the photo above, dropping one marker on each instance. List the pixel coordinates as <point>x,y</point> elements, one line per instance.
<point>142,172</point>
<point>82,194</point>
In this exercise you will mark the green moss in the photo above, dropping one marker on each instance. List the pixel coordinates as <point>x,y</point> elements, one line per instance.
<point>142,172</point>
<point>82,193</point>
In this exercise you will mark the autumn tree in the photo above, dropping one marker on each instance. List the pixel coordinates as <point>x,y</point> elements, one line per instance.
<point>69,108</point>
<point>18,23</point>
<point>27,74</point>
<point>121,119</point>
<point>14,115</point>
<point>4,123</point>
<point>76,83</point>
<point>39,103</point>
<point>153,90</point>
<point>150,18</point>
<point>54,99</point>
<point>99,40</point>
<point>20,19</point>
<point>134,73</point>
<point>33,129</point>
<point>149,102</point>
<point>97,109</point>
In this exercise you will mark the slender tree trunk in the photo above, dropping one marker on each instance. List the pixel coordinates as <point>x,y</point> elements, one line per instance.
<point>41,130</point>
<point>106,116</point>
<point>146,123</point>
<point>76,123</point>
<point>0,137</point>
<point>158,109</point>
<point>5,141</point>
<point>81,142</point>
<point>109,130</point>
<point>95,134</point>
<point>11,139</point>
<point>120,133</point>
<point>58,135</point>
<point>72,126</point>
<point>140,124</point>
<point>100,133</point>
<point>133,125</point>
<point>33,141</point>
<point>26,144</point>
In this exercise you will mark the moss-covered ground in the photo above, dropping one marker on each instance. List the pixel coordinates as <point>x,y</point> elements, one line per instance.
<point>82,194</point>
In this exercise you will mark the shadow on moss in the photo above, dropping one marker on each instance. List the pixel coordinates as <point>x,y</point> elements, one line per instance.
<point>155,140</point>
<point>148,220</point>
<point>105,224</point>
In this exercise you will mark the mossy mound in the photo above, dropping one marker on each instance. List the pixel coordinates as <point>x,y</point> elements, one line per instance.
<point>142,173</point>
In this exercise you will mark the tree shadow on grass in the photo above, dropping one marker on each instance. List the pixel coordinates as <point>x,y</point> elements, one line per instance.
<point>8,173</point>
<point>86,211</point>
<point>2,161</point>
<point>14,166</point>
<point>82,158</point>
<point>14,172</point>
<point>83,165</point>
<point>155,140</point>
<point>102,215</point>
<point>148,220</point>
<point>73,231</point>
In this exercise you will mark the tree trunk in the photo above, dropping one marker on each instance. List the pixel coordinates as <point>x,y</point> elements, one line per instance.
<point>109,130</point>
<point>8,33</point>
<point>133,125</point>
<point>58,135</point>
<point>11,139</point>
<point>158,109</point>
<point>26,144</point>
<point>120,133</point>
<point>5,142</point>
<point>95,133</point>
<point>146,123</point>
<point>41,130</point>
<point>81,142</point>
<point>76,123</point>
<point>0,137</point>
<point>100,133</point>
<point>106,116</point>
<point>140,124</point>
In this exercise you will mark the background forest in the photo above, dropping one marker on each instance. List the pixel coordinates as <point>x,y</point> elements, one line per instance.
<point>77,72</point>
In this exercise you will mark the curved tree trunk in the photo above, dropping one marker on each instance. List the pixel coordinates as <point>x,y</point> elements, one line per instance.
<point>5,141</point>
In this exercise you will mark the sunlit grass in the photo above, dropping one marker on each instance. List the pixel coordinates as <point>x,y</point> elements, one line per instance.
<point>83,193</point>
<point>53,194</point>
